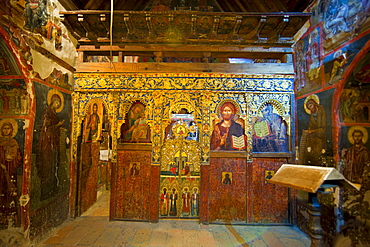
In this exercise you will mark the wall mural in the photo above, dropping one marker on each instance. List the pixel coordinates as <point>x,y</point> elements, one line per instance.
<point>355,154</point>
<point>8,66</point>
<point>11,169</point>
<point>344,36</point>
<point>308,62</point>
<point>51,139</point>
<point>14,98</point>
<point>315,142</point>
<point>354,99</point>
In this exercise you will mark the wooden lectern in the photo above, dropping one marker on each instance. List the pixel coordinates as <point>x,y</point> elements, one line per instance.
<point>312,179</point>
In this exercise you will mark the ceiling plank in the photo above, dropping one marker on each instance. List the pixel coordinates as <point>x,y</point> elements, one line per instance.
<point>239,3</point>
<point>93,4</point>
<point>71,4</point>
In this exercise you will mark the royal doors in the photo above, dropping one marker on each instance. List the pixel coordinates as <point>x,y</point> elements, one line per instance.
<point>180,172</point>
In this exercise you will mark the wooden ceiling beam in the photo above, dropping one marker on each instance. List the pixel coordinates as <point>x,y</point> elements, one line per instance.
<point>234,68</point>
<point>241,6</point>
<point>263,7</point>
<point>277,5</point>
<point>190,48</point>
<point>93,4</point>
<point>71,4</point>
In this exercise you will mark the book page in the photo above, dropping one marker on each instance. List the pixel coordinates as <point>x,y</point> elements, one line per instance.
<point>261,129</point>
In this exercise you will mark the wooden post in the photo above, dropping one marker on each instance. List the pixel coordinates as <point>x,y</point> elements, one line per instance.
<point>314,210</point>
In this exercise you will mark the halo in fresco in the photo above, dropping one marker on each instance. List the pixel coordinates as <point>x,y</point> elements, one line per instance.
<point>50,95</point>
<point>237,107</point>
<point>313,97</point>
<point>12,122</point>
<point>362,129</point>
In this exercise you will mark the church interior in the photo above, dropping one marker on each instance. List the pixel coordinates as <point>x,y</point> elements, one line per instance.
<point>220,112</point>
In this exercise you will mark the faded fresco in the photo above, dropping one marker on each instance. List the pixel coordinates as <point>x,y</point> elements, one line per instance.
<point>8,65</point>
<point>51,144</point>
<point>14,98</point>
<point>11,169</point>
<point>228,133</point>
<point>334,112</point>
<point>315,142</point>
<point>354,100</point>
<point>308,63</point>
<point>337,21</point>
<point>341,20</point>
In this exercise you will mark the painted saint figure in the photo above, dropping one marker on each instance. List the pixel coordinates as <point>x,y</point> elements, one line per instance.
<point>92,125</point>
<point>135,169</point>
<point>227,179</point>
<point>48,155</point>
<point>274,138</point>
<point>139,129</point>
<point>185,202</point>
<point>164,202</point>
<point>228,134</point>
<point>314,136</point>
<point>10,160</point>
<point>195,202</point>
<point>357,157</point>
<point>173,203</point>
<point>135,128</point>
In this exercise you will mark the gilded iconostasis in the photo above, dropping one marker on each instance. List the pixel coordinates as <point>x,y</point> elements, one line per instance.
<point>170,125</point>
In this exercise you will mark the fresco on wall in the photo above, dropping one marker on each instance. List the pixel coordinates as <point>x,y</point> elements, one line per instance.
<point>51,143</point>
<point>7,63</point>
<point>354,104</point>
<point>228,133</point>
<point>59,79</point>
<point>336,63</point>
<point>270,130</point>
<point>342,20</point>
<point>355,158</point>
<point>308,62</point>
<point>355,154</point>
<point>11,160</point>
<point>36,12</point>
<point>14,98</point>
<point>135,129</point>
<point>315,142</point>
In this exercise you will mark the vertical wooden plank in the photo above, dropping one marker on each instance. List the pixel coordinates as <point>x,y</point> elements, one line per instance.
<point>204,195</point>
<point>154,195</point>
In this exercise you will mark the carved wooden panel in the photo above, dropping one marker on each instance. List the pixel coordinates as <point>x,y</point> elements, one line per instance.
<point>133,185</point>
<point>267,203</point>
<point>227,190</point>
<point>89,175</point>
